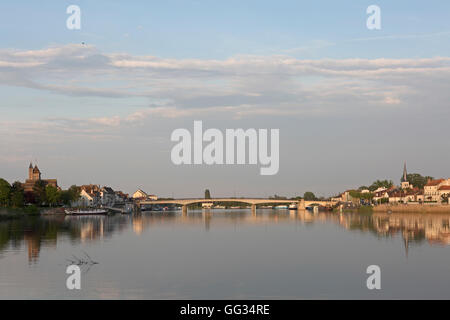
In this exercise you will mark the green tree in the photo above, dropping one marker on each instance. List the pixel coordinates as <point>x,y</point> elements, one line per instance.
<point>309,196</point>
<point>275,196</point>
<point>17,195</point>
<point>65,197</point>
<point>417,180</point>
<point>52,195</point>
<point>74,193</point>
<point>5,192</point>
<point>368,196</point>
<point>207,194</point>
<point>381,184</point>
<point>40,195</point>
<point>355,194</point>
<point>358,196</point>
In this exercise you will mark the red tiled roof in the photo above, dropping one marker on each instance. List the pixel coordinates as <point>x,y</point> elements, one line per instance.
<point>444,188</point>
<point>405,193</point>
<point>433,183</point>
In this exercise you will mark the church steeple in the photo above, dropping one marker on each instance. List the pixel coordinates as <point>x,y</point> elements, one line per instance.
<point>30,171</point>
<point>405,174</point>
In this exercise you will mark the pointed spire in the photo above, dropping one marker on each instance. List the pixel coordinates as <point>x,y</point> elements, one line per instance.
<point>36,169</point>
<point>405,174</point>
<point>31,166</point>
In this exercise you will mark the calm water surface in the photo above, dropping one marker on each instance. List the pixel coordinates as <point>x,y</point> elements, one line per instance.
<point>233,254</point>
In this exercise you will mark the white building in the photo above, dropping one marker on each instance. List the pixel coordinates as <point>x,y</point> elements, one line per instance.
<point>434,190</point>
<point>139,194</point>
<point>444,191</point>
<point>88,199</point>
<point>381,195</point>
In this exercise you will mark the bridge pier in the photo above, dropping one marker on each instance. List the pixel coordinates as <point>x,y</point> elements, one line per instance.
<point>184,210</point>
<point>254,209</point>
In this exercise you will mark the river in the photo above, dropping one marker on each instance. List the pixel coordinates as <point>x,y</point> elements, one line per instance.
<point>227,254</point>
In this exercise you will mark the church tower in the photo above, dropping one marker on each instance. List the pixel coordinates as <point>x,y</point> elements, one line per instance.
<point>36,173</point>
<point>30,171</point>
<point>404,181</point>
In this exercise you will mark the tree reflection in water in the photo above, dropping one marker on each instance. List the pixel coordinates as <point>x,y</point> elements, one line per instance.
<point>35,232</point>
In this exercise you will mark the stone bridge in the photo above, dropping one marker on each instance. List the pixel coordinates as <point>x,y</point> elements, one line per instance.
<point>301,204</point>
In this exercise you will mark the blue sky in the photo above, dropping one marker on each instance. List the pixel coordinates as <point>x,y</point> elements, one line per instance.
<point>352,104</point>
<point>218,29</point>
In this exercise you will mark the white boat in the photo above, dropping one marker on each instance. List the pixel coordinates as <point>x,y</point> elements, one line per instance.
<point>80,212</point>
<point>293,206</point>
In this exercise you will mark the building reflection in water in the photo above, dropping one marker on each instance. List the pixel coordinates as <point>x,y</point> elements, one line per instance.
<point>34,247</point>
<point>36,233</point>
<point>431,227</point>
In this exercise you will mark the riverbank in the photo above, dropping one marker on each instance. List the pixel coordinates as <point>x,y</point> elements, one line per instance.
<point>52,211</point>
<point>412,208</point>
<point>17,213</point>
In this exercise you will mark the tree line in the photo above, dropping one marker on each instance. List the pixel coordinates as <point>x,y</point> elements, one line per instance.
<point>14,195</point>
<point>308,196</point>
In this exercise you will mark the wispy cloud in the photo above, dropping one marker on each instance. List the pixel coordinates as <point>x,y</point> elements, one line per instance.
<point>237,87</point>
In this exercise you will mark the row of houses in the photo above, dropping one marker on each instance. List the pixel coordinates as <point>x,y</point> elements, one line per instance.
<point>435,191</point>
<point>93,195</point>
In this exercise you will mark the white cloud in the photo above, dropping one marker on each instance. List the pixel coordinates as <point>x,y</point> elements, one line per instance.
<point>240,86</point>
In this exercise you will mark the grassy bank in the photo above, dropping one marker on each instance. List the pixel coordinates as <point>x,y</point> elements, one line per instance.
<point>16,213</point>
<point>413,208</point>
